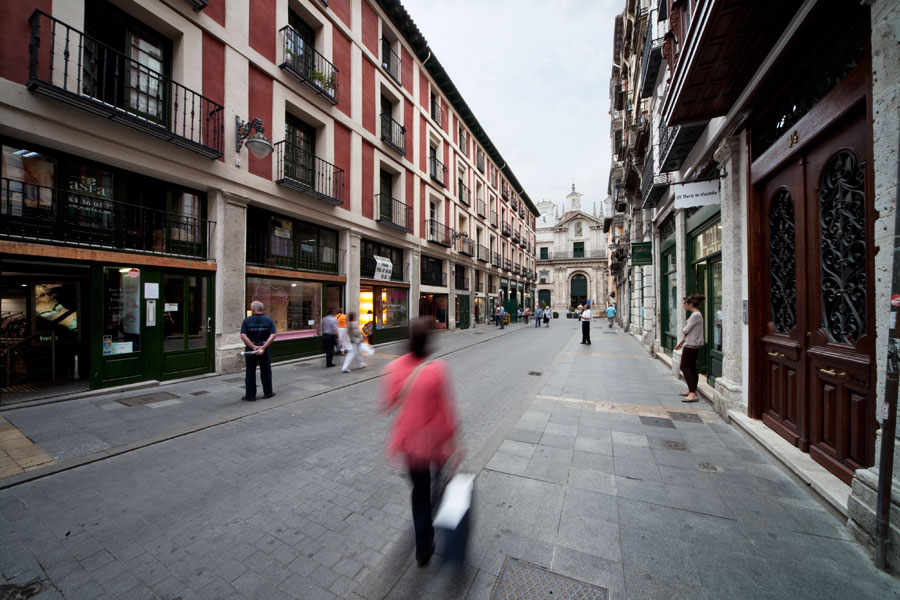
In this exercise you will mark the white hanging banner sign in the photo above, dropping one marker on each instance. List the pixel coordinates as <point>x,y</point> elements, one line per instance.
<point>700,193</point>
<point>383,268</point>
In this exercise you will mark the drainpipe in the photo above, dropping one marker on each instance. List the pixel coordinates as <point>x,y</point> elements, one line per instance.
<point>889,424</point>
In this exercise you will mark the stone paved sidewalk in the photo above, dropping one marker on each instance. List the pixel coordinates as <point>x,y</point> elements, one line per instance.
<point>607,477</point>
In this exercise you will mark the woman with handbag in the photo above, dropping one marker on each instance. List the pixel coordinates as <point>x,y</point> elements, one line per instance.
<point>423,435</point>
<point>692,341</point>
<point>354,341</point>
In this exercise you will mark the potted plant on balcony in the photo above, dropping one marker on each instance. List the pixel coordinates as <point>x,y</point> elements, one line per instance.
<point>322,80</point>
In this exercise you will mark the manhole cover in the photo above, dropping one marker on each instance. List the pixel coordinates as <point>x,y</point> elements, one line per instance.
<point>685,417</point>
<point>657,422</point>
<point>200,393</point>
<point>534,373</point>
<point>710,468</point>
<point>673,445</point>
<point>147,399</point>
<point>523,581</point>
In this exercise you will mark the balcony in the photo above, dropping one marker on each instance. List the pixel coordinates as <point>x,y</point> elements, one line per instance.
<point>266,249</point>
<point>484,254</point>
<point>437,170</point>
<point>516,269</point>
<point>393,212</point>
<point>514,204</point>
<point>393,133</point>
<point>463,192</point>
<point>505,229</point>
<point>653,184</point>
<point>495,259</point>
<point>494,218</point>
<point>480,208</point>
<point>507,264</point>
<point>435,278</point>
<point>307,65</point>
<point>581,255</point>
<point>479,161</point>
<point>367,269</point>
<point>675,144</point>
<point>69,66</point>
<point>466,246</point>
<point>34,213</point>
<point>650,62</point>
<point>390,60</point>
<point>504,192</point>
<point>436,112</point>
<point>516,236</point>
<point>523,243</point>
<point>305,172</point>
<point>438,233</point>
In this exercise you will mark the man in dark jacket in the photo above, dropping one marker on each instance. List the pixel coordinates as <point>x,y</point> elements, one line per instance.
<point>258,332</point>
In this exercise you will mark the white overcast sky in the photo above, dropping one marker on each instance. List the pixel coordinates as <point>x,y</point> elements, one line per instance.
<point>536,75</point>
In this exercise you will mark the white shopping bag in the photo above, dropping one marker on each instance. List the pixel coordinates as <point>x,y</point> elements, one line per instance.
<point>367,350</point>
<point>456,501</point>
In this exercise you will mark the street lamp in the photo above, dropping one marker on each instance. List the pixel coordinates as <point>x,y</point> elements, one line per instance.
<point>257,143</point>
<point>457,235</point>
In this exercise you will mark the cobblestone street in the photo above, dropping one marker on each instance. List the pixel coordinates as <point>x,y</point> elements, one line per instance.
<point>593,468</point>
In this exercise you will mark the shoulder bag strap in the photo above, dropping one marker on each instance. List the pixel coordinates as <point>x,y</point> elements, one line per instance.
<point>410,379</point>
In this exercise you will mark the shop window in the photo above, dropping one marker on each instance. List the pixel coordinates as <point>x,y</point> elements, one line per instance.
<point>295,306</point>
<point>122,310</point>
<point>27,185</point>
<point>388,307</point>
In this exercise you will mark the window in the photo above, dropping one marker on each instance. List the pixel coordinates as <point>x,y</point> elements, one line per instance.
<point>122,310</point>
<point>276,240</point>
<point>578,250</point>
<point>389,307</point>
<point>545,253</point>
<point>295,306</point>
<point>370,249</point>
<point>299,151</point>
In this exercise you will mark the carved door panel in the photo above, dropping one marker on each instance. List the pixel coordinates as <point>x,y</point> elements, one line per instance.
<point>840,303</point>
<point>783,343</point>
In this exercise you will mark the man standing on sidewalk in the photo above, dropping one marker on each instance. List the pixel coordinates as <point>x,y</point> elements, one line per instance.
<point>257,332</point>
<point>538,316</point>
<point>586,325</point>
<point>501,316</point>
<point>329,336</point>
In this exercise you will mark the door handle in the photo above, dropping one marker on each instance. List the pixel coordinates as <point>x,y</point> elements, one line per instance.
<point>832,372</point>
<point>776,354</point>
<point>208,323</point>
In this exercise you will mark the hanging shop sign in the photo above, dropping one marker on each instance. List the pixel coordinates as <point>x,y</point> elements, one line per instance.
<point>698,193</point>
<point>383,268</point>
<point>642,253</point>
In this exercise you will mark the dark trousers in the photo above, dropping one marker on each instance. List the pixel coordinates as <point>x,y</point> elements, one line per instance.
<point>585,332</point>
<point>328,341</point>
<point>689,368</point>
<point>265,374</point>
<point>421,509</point>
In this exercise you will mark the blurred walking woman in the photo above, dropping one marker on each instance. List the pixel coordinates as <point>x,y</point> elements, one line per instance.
<point>424,431</point>
<point>692,340</point>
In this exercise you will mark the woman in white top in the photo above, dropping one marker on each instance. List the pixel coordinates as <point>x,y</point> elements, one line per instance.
<point>692,341</point>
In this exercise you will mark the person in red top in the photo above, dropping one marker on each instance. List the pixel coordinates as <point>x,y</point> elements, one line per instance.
<point>423,435</point>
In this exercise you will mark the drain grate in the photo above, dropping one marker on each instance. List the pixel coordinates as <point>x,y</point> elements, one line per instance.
<point>657,422</point>
<point>147,399</point>
<point>520,580</point>
<point>535,373</point>
<point>685,417</point>
<point>200,393</point>
<point>710,468</point>
<point>674,445</point>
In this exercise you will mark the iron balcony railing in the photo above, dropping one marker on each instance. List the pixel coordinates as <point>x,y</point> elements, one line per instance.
<point>437,170</point>
<point>494,218</point>
<point>495,259</point>
<point>514,204</point>
<point>35,213</point>
<point>505,229</point>
<point>517,269</point>
<point>393,133</point>
<point>266,249</point>
<point>436,113</point>
<point>461,282</point>
<point>583,255</point>
<point>480,207</point>
<point>438,233</point>
<point>67,65</point>
<point>393,212</point>
<point>650,63</point>
<point>516,236</point>
<point>467,246</point>
<point>305,172</point>
<point>463,192</point>
<point>504,192</point>
<point>653,184</point>
<point>484,254</point>
<point>390,60</point>
<point>306,64</point>
<point>507,264</point>
<point>367,267</point>
<point>479,161</point>
<point>523,243</point>
<point>435,278</point>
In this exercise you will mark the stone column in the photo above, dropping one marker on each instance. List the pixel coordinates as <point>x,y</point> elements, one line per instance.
<point>451,294</point>
<point>681,277</point>
<point>731,156</point>
<point>229,250</point>
<point>351,240</point>
<point>415,280</point>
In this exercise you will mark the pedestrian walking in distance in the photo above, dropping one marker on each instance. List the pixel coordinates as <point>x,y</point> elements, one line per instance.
<point>547,316</point>
<point>611,314</point>
<point>329,336</point>
<point>501,316</point>
<point>538,316</point>
<point>354,339</point>
<point>692,341</point>
<point>343,343</point>
<point>257,332</point>
<point>423,436</point>
<point>586,325</point>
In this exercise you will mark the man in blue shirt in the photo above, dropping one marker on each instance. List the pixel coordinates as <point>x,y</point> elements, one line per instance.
<point>611,314</point>
<point>329,336</point>
<point>258,332</point>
